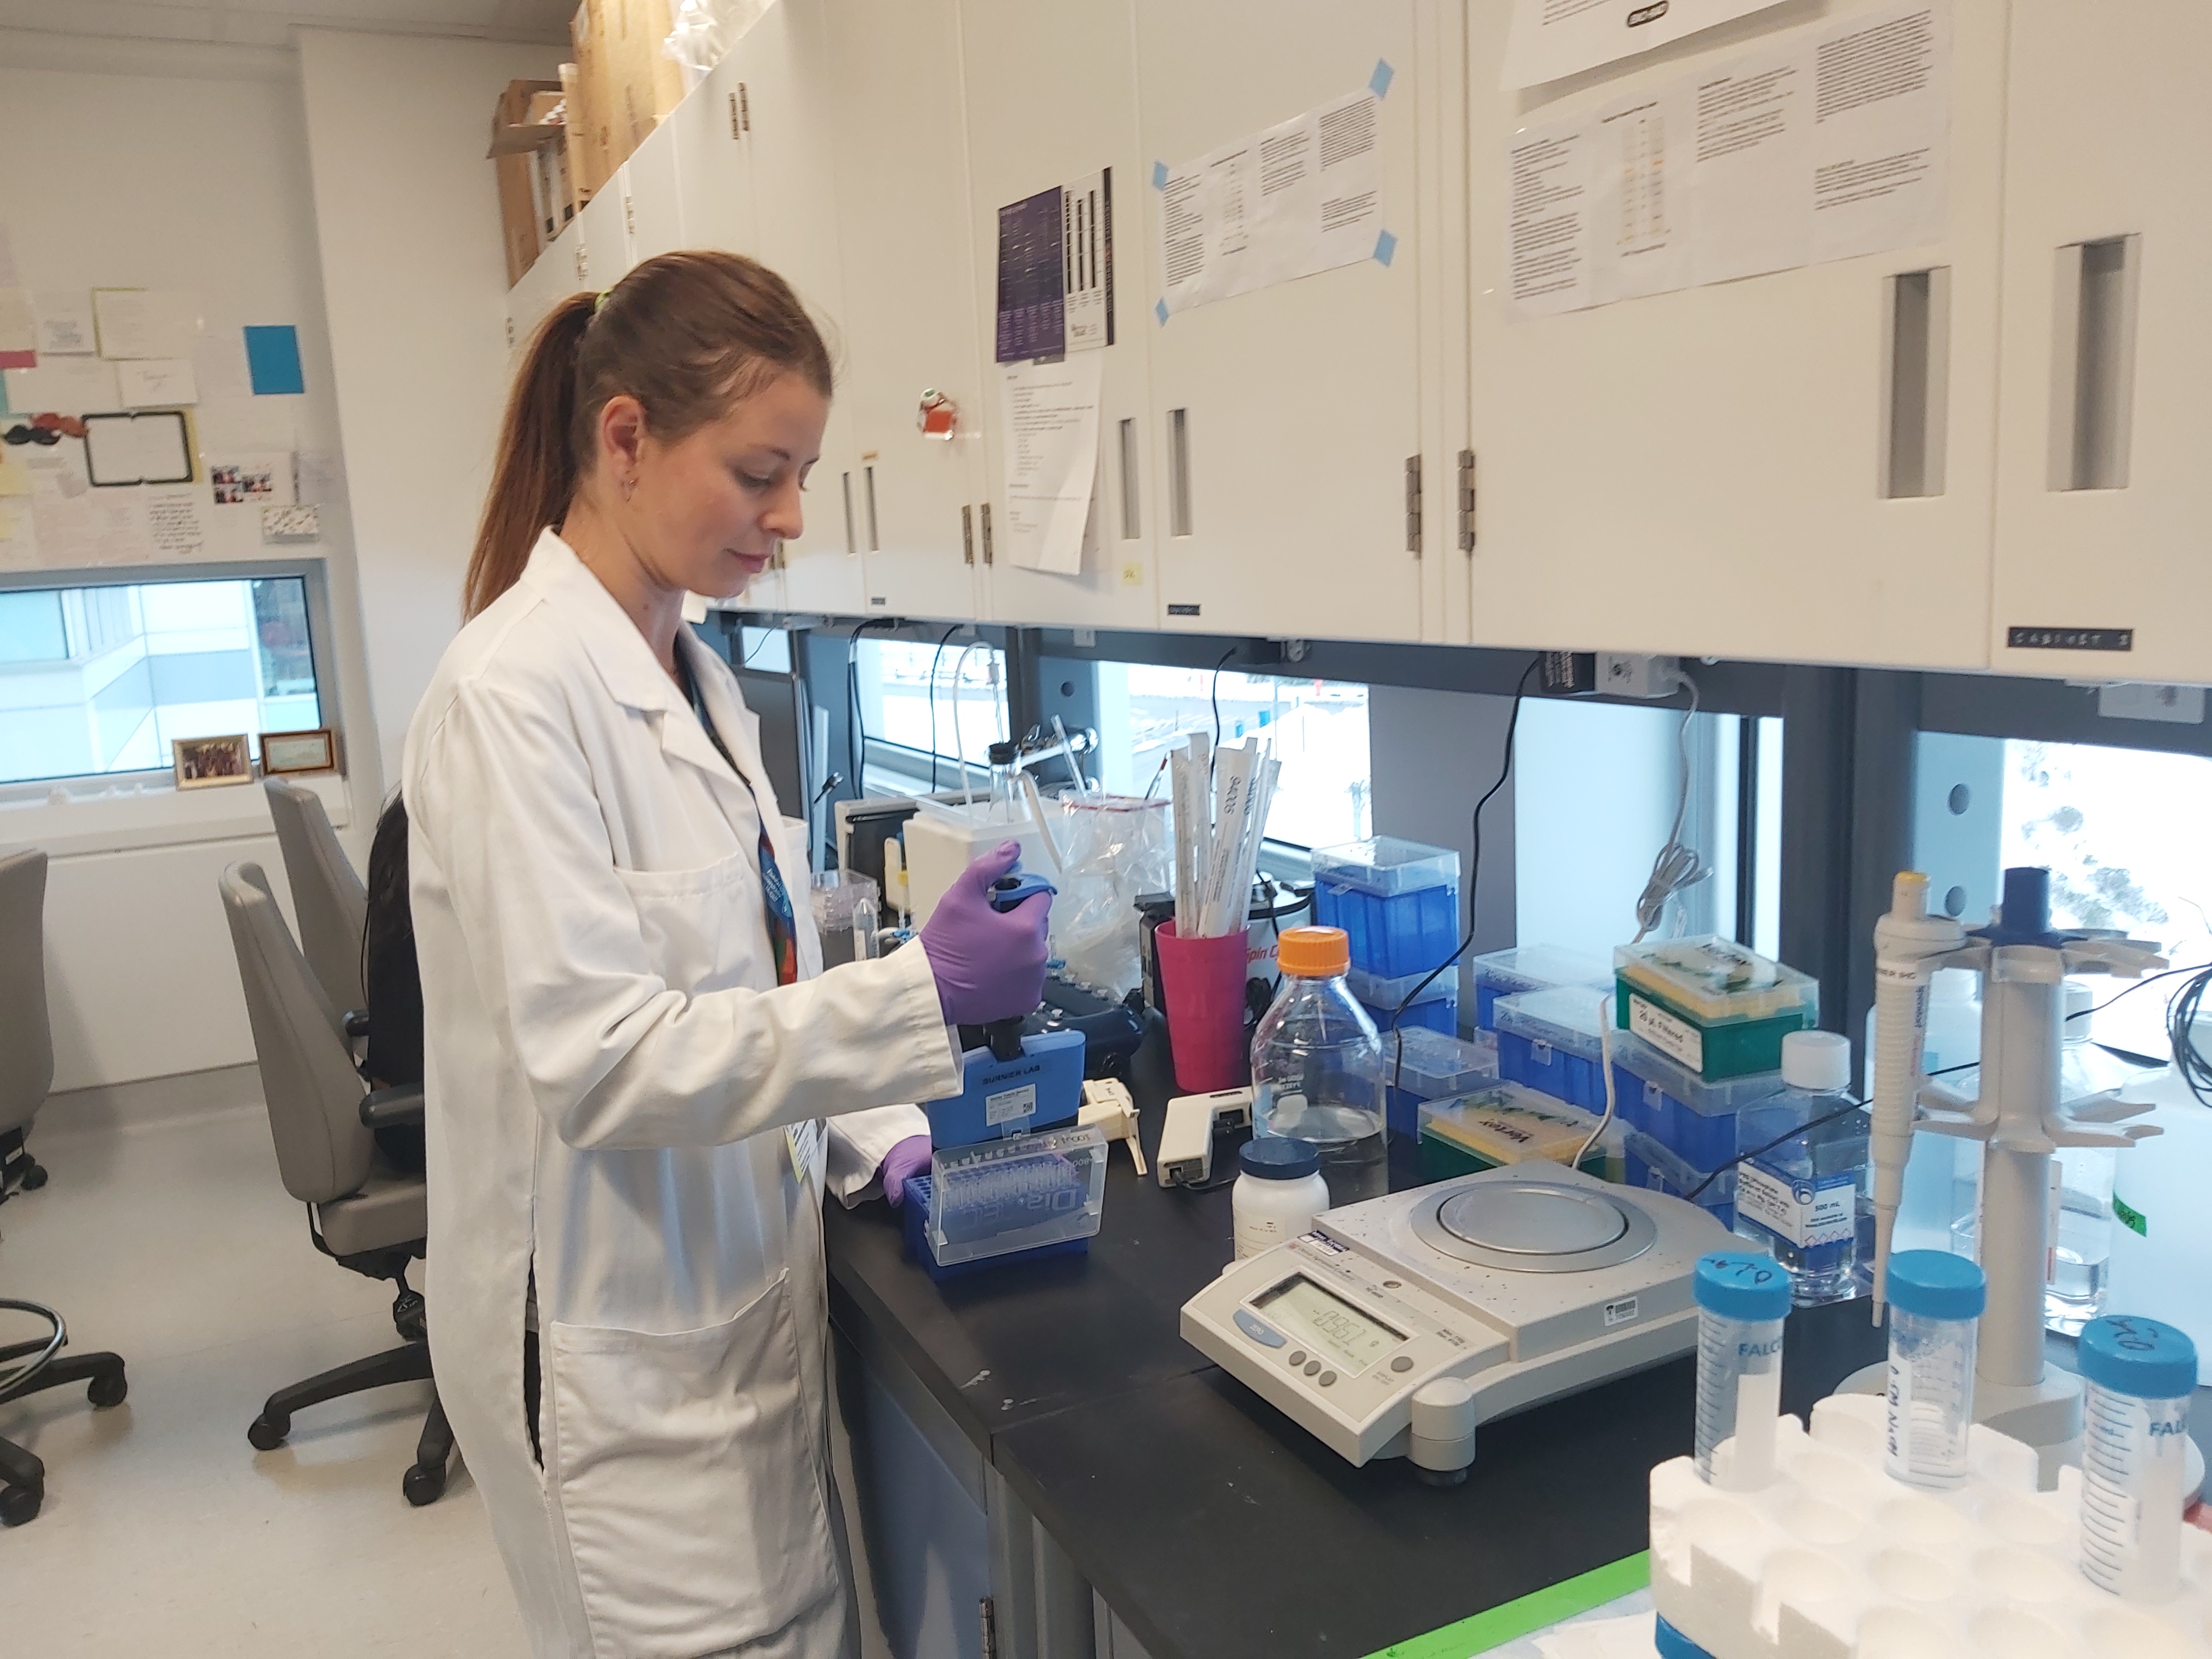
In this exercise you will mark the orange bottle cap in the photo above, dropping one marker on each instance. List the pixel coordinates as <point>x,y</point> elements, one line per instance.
<point>1313,952</point>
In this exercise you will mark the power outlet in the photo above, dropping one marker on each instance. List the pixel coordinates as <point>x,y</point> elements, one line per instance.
<point>1620,674</point>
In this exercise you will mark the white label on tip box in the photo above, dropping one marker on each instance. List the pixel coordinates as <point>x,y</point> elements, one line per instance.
<point>1010,1103</point>
<point>1664,1032</point>
<point>1622,1312</point>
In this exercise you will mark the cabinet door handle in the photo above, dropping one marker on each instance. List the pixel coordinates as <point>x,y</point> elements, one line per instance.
<point>1132,526</point>
<point>967,535</point>
<point>1178,472</point>
<point>851,546</point>
<point>875,540</point>
<point>1413,505</point>
<point>1916,406</point>
<point>2092,362</point>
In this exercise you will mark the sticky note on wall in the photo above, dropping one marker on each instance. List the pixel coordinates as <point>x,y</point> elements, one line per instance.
<point>272,358</point>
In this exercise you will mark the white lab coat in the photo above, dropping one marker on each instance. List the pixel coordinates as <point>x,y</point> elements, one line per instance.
<point>610,1065</point>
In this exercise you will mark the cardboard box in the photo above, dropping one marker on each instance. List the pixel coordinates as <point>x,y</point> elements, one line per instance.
<point>588,34</point>
<point>523,225</point>
<point>580,183</point>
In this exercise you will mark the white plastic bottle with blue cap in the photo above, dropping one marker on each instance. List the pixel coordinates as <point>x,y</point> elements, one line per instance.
<point>1742,1300</point>
<point>1279,1190</point>
<point>1934,1300</point>
<point>2138,1376</point>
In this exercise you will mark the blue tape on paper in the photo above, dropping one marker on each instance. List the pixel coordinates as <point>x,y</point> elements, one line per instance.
<point>1160,311</point>
<point>1386,248</point>
<point>1159,175</point>
<point>1379,82</point>
<point>272,359</point>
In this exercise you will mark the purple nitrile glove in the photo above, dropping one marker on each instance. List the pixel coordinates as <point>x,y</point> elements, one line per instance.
<point>989,964</point>
<point>910,1157</point>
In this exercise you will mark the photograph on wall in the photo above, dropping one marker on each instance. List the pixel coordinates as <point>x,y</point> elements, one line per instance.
<point>208,763</point>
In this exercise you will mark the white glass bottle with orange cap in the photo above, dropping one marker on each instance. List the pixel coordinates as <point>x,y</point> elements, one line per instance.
<point>1318,1065</point>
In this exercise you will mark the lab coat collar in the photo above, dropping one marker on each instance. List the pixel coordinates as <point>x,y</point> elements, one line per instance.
<point>633,676</point>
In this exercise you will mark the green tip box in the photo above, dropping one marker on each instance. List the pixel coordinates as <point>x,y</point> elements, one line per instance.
<point>1718,1008</point>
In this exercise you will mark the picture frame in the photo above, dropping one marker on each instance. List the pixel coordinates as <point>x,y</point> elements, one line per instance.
<point>212,763</point>
<point>285,754</point>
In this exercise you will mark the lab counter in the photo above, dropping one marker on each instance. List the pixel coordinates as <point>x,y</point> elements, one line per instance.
<point>1108,1456</point>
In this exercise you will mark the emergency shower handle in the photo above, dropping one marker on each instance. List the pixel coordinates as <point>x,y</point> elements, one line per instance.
<point>1917,371</point>
<point>2094,288</point>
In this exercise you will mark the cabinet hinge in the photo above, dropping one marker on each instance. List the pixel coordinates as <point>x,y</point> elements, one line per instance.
<point>987,533</point>
<point>1413,505</point>
<point>583,264</point>
<point>510,334</point>
<point>989,1616</point>
<point>1467,500</point>
<point>968,535</point>
<point>736,130</point>
<point>629,216</point>
<point>745,109</point>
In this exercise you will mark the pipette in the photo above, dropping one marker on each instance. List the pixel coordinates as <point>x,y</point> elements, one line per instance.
<point>1908,944</point>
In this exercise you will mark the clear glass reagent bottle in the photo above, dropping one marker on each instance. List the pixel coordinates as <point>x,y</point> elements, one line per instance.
<point>1317,1068</point>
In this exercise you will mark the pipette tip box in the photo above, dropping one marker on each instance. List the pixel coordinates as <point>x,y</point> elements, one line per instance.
<point>1551,1041</point>
<point>1436,1010</point>
<point>1660,1168</point>
<point>1529,967</point>
<point>1396,900</point>
<point>1693,1116</point>
<point>1507,1124</point>
<point>1718,1008</point>
<point>1040,1089</point>
<point>1002,1197</point>
<point>914,1225</point>
<point>1422,1064</point>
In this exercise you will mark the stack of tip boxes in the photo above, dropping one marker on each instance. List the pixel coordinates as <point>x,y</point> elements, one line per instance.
<point>1837,1560</point>
<point>1422,1064</point>
<point>1507,1124</point>
<point>1530,968</point>
<point>1012,1174</point>
<point>1398,904</point>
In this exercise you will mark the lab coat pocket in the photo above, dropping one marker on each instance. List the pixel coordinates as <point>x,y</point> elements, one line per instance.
<point>703,928</point>
<point>684,1472</point>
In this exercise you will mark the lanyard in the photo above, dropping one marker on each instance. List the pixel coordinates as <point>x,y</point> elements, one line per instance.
<point>782,926</point>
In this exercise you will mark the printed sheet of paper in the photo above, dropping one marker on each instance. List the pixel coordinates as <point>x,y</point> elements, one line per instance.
<point>1550,39</point>
<point>1086,222</point>
<point>1297,198</point>
<point>176,521</point>
<point>64,322</point>
<point>1056,272</point>
<point>1882,133</point>
<point>19,330</point>
<point>1640,199</point>
<point>156,382</point>
<point>1051,461</point>
<point>62,384</point>
<point>322,476</point>
<point>145,322</point>
<point>78,524</point>
<point>1547,227</point>
<point>1753,176</point>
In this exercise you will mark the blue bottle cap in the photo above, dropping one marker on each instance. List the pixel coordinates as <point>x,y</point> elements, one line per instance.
<point>1742,1285</point>
<point>1671,1644</point>
<point>2139,1358</point>
<point>1279,1157</point>
<point>1937,1285</point>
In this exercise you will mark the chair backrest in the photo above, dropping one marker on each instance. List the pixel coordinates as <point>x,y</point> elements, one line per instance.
<point>327,896</point>
<point>26,1044</point>
<point>308,1078</point>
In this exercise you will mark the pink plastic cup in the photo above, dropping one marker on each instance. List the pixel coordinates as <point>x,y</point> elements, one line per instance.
<point>1203,981</point>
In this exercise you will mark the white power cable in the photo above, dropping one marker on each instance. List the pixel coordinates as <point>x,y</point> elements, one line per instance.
<point>1605,1059</point>
<point>1677,867</point>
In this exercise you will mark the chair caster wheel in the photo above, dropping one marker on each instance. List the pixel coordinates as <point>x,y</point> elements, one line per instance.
<point>20,1503</point>
<point>424,1483</point>
<point>267,1433</point>
<point>33,1178</point>
<point>410,1317</point>
<point>106,1391</point>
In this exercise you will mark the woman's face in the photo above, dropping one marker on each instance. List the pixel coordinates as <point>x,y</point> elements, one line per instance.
<point>708,510</point>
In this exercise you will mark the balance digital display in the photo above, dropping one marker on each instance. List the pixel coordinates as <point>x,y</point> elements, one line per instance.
<point>1325,1321</point>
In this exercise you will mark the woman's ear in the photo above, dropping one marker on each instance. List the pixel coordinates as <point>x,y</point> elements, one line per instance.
<point>621,435</point>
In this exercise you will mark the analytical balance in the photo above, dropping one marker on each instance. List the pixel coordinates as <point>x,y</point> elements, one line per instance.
<point>1400,1323</point>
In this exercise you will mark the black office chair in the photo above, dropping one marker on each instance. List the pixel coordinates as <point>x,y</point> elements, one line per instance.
<point>26,1073</point>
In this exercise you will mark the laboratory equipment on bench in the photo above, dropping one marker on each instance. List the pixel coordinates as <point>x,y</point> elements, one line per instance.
<point>1317,1070</point>
<point>1554,1041</point>
<point>1423,1066</point>
<point>1530,968</point>
<point>943,838</point>
<point>1278,1195</point>
<point>1186,1152</point>
<point>1742,1300</point>
<point>1399,1324</point>
<point>1797,1194</point>
<point>1396,900</point>
<point>2016,1113</point>
<point>1504,1123</point>
<point>1108,1106</point>
<point>999,1202</point>
<point>1718,1008</point>
<point>1935,1300</point>
<point>2138,1375</point>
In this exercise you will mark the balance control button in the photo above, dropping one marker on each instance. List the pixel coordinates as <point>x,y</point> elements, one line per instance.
<point>1259,1333</point>
<point>1313,1368</point>
<point>1298,1357</point>
<point>1401,1363</point>
<point>1328,1378</point>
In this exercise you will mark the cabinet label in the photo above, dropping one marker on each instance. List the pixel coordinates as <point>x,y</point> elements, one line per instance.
<point>1182,610</point>
<point>1010,1103</point>
<point>2070,639</point>
<point>1666,1033</point>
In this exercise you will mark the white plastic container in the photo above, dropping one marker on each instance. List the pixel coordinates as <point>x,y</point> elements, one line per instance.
<point>2138,1376</point>
<point>2165,1231</point>
<point>1934,1300</point>
<point>1742,1300</point>
<point>1279,1192</point>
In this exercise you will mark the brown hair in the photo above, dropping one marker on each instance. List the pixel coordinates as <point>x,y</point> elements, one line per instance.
<point>687,335</point>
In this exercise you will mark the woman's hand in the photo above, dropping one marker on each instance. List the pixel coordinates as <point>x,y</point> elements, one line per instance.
<point>908,1159</point>
<point>989,965</point>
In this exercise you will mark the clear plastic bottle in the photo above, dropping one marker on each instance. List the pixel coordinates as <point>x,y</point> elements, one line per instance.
<point>1799,1198</point>
<point>1934,1300</point>
<point>1318,1065</point>
<point>2138,1376</point>
<point>1742,1300</point>
<point>1006,804</point>
<point>2081,1242</point>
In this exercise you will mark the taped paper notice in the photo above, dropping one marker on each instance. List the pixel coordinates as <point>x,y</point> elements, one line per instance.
<point>1640,201</point>
<point>1547,235</point>
<point>63,384</point>
<point>145,322</point>
<point>176,522</point>
<point>1753,179</point>
<point>1051,461</point>
<point>1550,39</point>
<point>19,331</point>
<point>1881,134</point>
<point>1298,199</point>
<point>64,322</point>
<point>1056,272</point>
<point>156,383</point>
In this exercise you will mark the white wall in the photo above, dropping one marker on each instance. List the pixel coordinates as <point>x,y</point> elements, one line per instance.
<point>189,172</point>
<point>407,211</point>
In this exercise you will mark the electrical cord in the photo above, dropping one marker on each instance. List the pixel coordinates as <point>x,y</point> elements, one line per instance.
<point>1213,696</point>
<point>856,725</point>
<point>935,663</point>
<point>2180,1023</point>
<point>1677,867</point>
<point>1473,872</point>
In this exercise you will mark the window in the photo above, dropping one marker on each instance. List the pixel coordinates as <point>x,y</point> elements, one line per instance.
<point>924,708</point>
<point>1316,728</point>
<point>98,680</point>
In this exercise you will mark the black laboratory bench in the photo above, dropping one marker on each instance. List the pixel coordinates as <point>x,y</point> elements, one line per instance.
<point>1107,1455</point>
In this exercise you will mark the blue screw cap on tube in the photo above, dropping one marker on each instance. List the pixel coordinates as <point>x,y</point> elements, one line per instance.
<point>2139,1358</point>
<point>1742,1285</point>
<point>1937,1285</point>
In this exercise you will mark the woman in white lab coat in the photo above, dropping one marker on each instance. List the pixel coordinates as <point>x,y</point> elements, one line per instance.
<point>630,1040</point>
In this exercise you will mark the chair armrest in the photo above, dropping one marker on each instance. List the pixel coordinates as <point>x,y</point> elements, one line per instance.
<point>386,1108</point>
<point>356,1023</point>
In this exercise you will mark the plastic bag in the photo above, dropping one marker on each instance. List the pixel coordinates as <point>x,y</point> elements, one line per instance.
<point>1112,848</point>
<point>705,31</point>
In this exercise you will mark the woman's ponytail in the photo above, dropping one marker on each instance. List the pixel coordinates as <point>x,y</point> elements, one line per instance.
<point>535,472</point>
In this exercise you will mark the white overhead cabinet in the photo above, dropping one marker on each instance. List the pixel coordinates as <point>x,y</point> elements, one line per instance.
<point>602,232</point>
<point>1732,353</point>
<point>2104,492</point>
<point>1052,104</point>
<point>909,316</point>
<point>652,192</point>
<point>788,103</point>
<point>714,162</point>
<point>1284,416</point>
<point>550,279</point>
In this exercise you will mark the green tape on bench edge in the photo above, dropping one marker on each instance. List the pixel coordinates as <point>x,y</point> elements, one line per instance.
<point>1536,1611</point>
